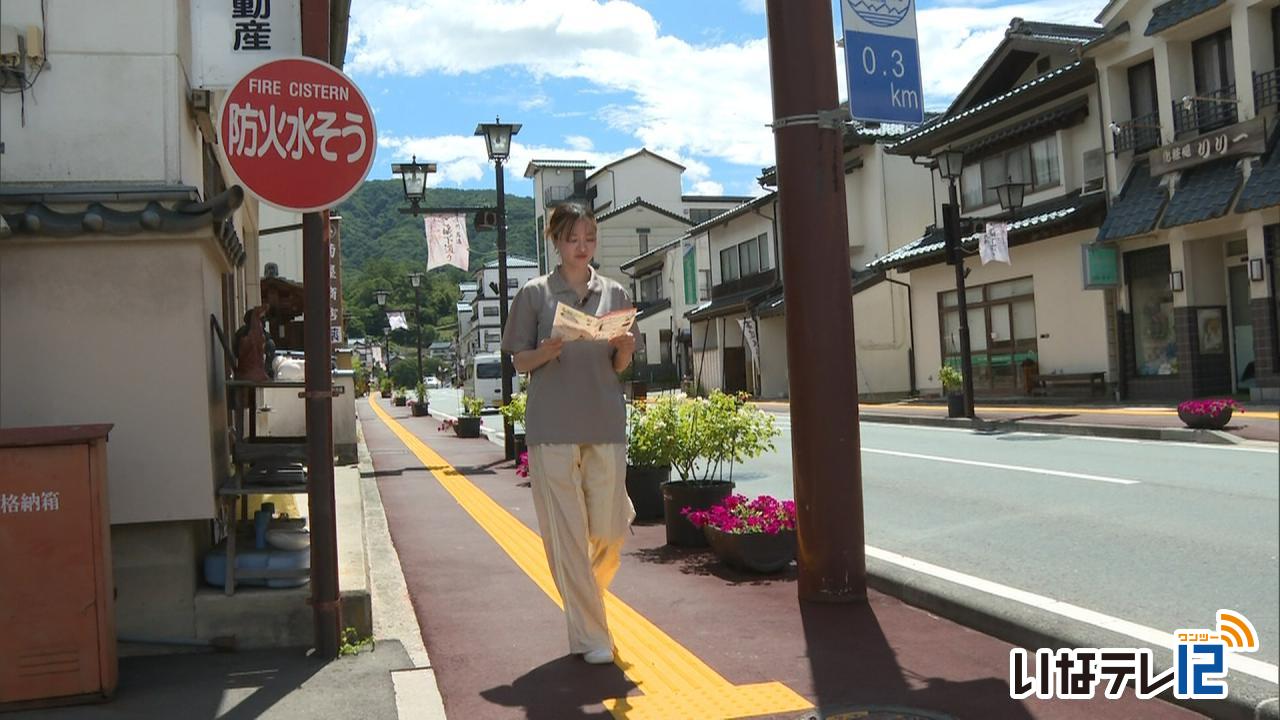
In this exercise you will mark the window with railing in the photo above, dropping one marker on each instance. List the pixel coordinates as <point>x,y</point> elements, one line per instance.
<point>1266,89</point>
<point>1214,103</point>
<point>1139,134</point>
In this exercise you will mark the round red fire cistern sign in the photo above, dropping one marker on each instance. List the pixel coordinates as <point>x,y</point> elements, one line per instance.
<point>298,134</point>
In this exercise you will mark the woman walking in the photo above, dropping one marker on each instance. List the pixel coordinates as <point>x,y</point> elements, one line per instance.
<point>575,428</point>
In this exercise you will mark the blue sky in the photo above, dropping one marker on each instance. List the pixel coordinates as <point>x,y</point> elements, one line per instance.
<point>594,80</point>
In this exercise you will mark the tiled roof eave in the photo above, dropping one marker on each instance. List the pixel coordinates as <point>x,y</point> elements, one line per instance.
<point>1025,97</point>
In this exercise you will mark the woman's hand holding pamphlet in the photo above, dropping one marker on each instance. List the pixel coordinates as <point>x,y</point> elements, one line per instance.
<point>573,324</point>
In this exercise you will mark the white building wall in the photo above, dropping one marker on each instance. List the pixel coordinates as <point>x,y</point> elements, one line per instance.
<point>111,104</point>
<point>642,176</point>
<point>617,242</point>
<point>882,338</point>
<point>284,248</point>
<point>1070,322</point>
<point>775,374</point>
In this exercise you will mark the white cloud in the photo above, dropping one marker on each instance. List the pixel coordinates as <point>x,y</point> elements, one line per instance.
<point>708,187</point>
<point>683,100</point>
<point>754,7</point>
<point>579,143</point>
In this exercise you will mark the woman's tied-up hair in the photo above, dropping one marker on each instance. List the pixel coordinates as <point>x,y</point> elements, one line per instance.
<point>564,217</point>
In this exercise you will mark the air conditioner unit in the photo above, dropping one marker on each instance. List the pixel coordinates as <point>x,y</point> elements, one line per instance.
<point>1095,172</point>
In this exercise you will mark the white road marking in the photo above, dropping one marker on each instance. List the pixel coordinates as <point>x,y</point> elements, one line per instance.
<point>1250,666</point>
<point>1001,466</point>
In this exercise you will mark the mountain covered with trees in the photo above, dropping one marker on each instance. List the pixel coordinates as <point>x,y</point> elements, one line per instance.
<point>381,246</point>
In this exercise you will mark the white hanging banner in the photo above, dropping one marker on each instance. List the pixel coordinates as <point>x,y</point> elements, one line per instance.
<point>447,240</point>
<point>397,321</point>
<point>748,326</point>
<point>994,245</point>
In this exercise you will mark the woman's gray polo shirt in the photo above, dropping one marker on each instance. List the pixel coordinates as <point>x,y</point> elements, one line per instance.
<point>577,398</point>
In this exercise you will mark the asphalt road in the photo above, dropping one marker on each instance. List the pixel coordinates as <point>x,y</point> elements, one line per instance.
<point>1155,533</point>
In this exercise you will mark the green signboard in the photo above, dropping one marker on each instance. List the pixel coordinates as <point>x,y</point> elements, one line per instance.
<point>690,274</point>
<point>1101,264</point>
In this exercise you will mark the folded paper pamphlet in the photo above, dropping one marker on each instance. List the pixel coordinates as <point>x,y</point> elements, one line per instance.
<point>573,324</point>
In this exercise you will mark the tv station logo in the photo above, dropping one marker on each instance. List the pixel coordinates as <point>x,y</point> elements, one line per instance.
<point>1201,662</point>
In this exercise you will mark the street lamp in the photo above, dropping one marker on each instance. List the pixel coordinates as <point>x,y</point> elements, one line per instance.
<point>1011,195</point>
<point>415,279</point>
<point>497,139</point>
<point>950,165</point>
<point>414,176</point>
<point>381,296</point>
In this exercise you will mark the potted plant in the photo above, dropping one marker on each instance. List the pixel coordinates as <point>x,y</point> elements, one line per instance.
<point>710,433</point>
<point>421,402</point>
<point>753,535</point>
<point>513,412</point>
<point>952,387</point>
<point>1210,414</point>
<point>468,423</point>
<point>401,397</point>
<point>385,387</point>
<point>651,435</point>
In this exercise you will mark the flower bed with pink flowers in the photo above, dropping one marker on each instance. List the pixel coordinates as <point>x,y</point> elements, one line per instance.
<point>736,515</point>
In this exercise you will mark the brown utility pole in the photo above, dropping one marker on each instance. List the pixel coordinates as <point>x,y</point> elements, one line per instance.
<point>319,384</point>
<point>825,452</point>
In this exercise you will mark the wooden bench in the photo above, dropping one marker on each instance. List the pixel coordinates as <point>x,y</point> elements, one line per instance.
<point>1097,381</point>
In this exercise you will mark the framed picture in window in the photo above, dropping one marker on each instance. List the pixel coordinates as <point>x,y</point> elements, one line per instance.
<point>1209,322</point>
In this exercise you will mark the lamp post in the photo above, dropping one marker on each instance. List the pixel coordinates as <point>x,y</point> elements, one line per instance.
<point>381,296</point>
<point>950,165</point>
<point>414,176</point>
<point>415,279</point>
<point>497,138</point>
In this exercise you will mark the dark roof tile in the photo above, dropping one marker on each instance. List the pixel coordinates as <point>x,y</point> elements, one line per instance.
<point>1137,209</point>
<point>1174,12</point>
<point>1263,188</point>
<point>1204,193</point>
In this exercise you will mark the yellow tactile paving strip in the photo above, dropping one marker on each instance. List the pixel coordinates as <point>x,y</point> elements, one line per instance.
<point>675,682</point>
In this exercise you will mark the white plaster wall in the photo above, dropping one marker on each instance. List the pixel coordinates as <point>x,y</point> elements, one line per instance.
<point>121,335</point>
<point>882,339</point>
<point>909,196</point>
<point>735,231</point>
<point>617,242</point>
<point>651,327</point>
<point>643,176</point>
<point>111,105</point>
<point>1073,319</point>
<point>774,374</point>
<point>284,249</point>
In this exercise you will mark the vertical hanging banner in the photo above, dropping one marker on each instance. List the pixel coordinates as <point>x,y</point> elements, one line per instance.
<point>335,281</point>
<point>690,273</point>
<point>882,60</point>
<point>447,240</point>
<point>994,245</point>
<point>298,134</point>
<point>396,321</point>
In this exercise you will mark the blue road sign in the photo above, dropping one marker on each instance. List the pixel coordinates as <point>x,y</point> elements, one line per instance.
<point>882,60</point>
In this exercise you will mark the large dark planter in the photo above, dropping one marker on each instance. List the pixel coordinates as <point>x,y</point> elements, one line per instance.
<point>753,552</point>
<point>467,427</point>
<point>522,445</point>
<point>401,401</point>
<point>386,393</point>
<point>955,405</point>
<point>1206,422</point>
<point>677,496</point>
<point>420,409</point>
<point>644,486</point>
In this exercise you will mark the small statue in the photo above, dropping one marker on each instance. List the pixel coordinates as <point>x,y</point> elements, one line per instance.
<point>251,346</point>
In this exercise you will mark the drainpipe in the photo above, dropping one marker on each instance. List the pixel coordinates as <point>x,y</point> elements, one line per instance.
<point>911,333</point>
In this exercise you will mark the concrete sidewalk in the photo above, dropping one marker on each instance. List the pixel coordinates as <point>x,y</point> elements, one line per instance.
<point>460,519</point>
<point>1259,423</point>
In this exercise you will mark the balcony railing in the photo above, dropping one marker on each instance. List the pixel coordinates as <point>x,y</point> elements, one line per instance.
<point>1266,90</point>
<point>1207,112</point>
<point>1139,134</point>
<point>562,193</point>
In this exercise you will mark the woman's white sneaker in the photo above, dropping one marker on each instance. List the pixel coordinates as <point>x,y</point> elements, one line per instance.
<point>603,656</point>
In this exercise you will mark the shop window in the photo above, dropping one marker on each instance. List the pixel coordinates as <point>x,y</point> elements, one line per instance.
<point>729,264</point>
<point>491,311</point>
<point>1002,331</point>
<point>1155,346</point>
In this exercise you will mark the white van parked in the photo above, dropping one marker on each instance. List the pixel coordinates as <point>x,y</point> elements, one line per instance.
<point>486,378</point>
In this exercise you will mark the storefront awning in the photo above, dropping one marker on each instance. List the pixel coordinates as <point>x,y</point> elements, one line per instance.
<point>1263,188</point>
<point>1203,193</point>
<point>653,309</point>
<point>1137,209</point>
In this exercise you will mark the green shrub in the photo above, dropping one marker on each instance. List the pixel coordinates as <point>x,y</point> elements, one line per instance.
<point>651,431</point>
<point>717,430</point>
<point>951,378</point>
<point>472,406</point>
<point>514,410</point>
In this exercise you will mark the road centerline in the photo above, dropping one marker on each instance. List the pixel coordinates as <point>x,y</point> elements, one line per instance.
<point>1002,466</point>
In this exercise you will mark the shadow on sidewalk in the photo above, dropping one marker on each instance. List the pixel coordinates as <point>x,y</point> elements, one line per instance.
<point>853,665</point>
<point>561,688</point>
<point>701,561</point>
